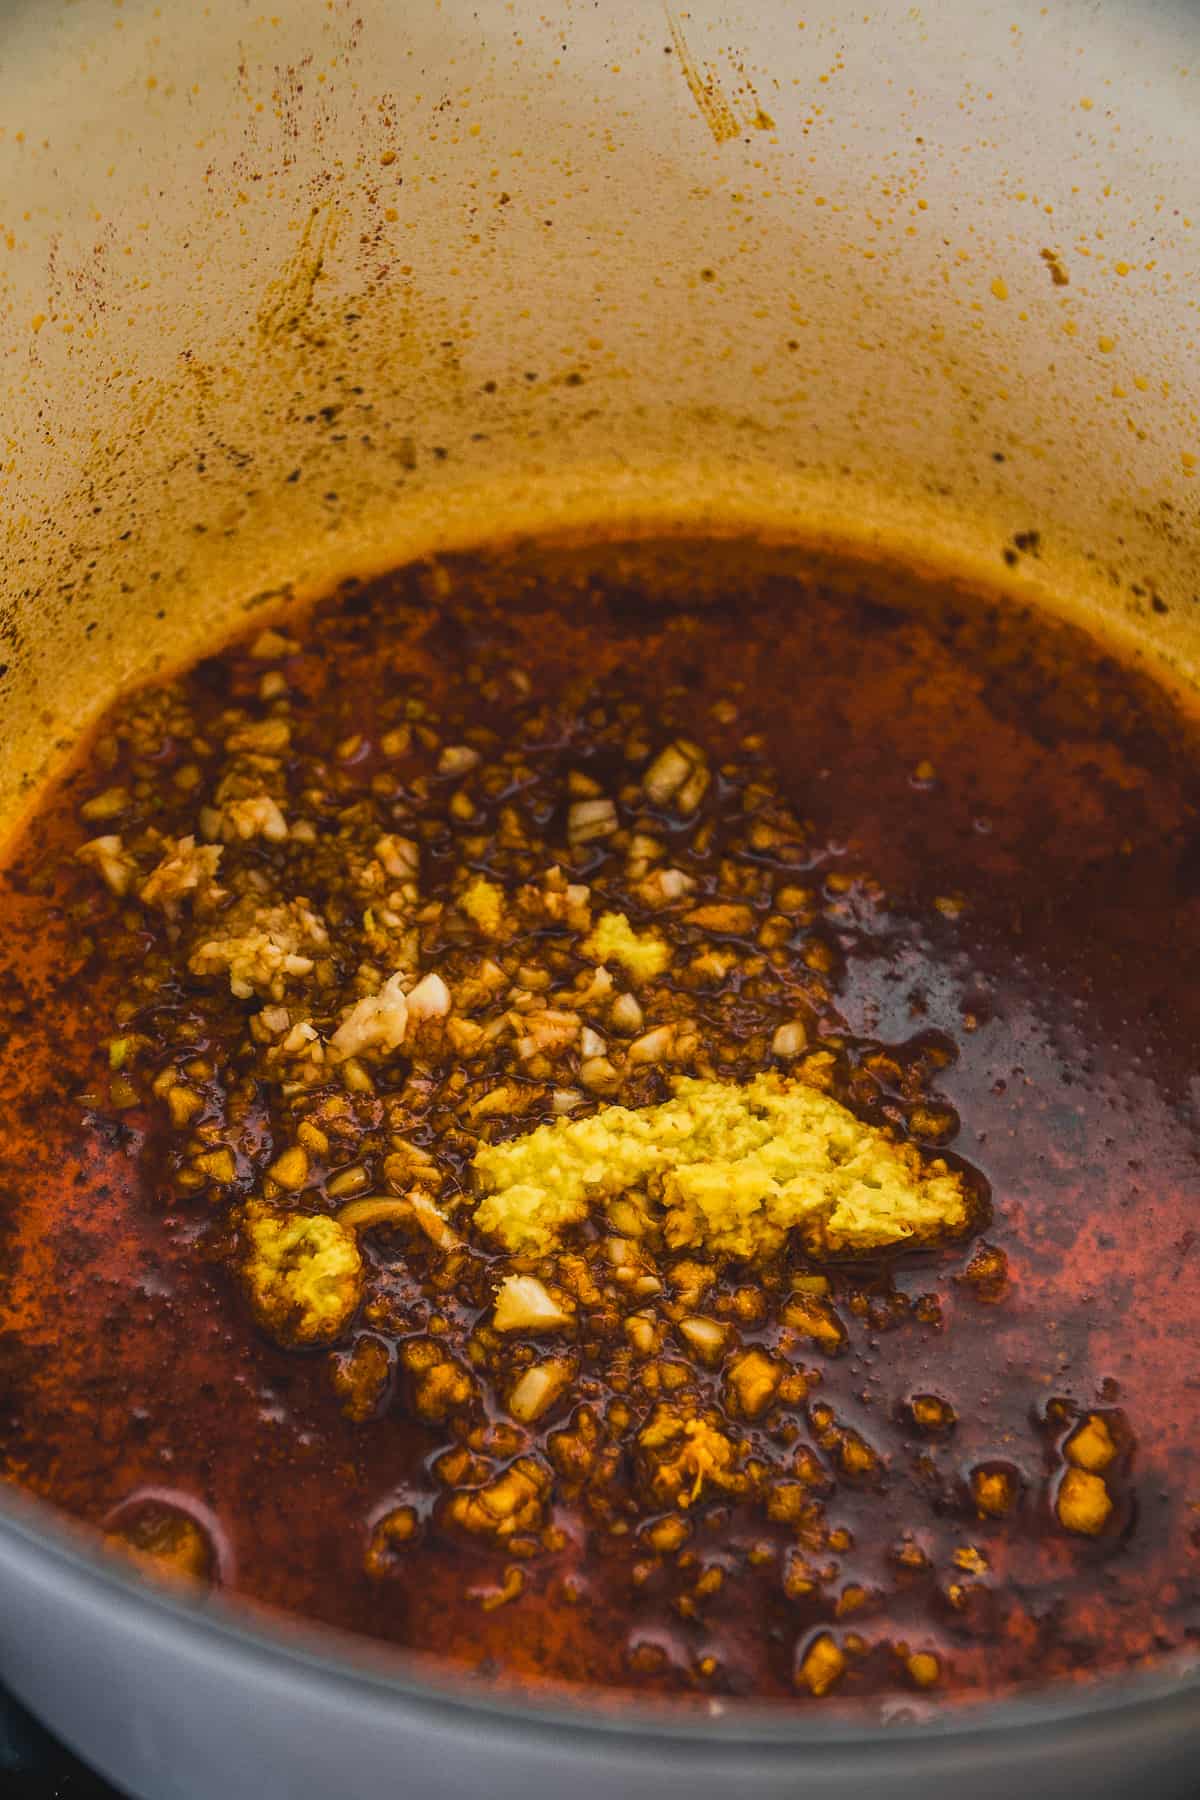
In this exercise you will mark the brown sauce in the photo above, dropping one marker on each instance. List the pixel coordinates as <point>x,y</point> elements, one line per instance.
<point>997,829</point>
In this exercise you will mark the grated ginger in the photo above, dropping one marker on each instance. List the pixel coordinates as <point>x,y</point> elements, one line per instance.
<point>483,903</point>
<point>302,1273</point>
<point>613,939</point>
<point>736,1169</point>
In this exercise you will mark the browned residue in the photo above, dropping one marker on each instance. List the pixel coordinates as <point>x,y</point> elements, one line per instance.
<point>289,297</point>
<point>705,87</point>
<point>1053,262</point>
<point>753,112</point>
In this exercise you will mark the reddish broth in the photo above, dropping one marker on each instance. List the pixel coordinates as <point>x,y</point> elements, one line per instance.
<point>1020,943</point>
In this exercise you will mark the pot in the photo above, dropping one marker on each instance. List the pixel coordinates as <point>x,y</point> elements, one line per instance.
<point>286,298</point>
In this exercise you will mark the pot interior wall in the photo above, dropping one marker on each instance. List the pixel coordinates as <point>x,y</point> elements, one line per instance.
<point>285,297</point>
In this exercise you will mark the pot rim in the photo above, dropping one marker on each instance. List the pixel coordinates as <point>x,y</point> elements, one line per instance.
<point>1155,1699</point>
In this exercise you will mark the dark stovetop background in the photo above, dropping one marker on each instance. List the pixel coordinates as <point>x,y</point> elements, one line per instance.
<point>34,1766</point>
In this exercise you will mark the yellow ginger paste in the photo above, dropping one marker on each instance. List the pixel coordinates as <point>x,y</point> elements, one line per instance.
<point>734,1168</point>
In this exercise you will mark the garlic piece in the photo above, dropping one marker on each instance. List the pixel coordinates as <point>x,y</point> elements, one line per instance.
<point>538,1388</point>
<point>400,856</point>
<point>523,1303</point>
<point>626,1015</point>
<point>789,1039</point>
<point>430,999</point>
<point>589,819</point>
<point>653,1046</point>
<point>457,759</point>
<point>108,855</point>
<point>377,1022</point>
<point>678,773</point>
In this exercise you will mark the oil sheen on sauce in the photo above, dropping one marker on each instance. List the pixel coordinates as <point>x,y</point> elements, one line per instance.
<point>1026,811</point>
